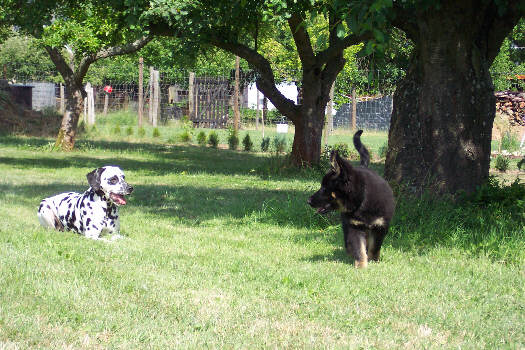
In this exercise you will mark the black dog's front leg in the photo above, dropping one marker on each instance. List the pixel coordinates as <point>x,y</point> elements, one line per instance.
<point>355,243</point>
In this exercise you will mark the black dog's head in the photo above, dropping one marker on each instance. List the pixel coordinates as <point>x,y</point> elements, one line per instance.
<point>111,181</point>
<point>334,186</point>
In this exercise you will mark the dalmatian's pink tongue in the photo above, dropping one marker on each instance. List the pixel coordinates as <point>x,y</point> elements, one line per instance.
<point>118,199</point>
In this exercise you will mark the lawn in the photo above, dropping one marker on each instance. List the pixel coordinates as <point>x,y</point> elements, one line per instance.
<point>222,251</point>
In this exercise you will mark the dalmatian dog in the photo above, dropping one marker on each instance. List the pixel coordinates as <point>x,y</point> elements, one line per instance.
<point>93,212</point>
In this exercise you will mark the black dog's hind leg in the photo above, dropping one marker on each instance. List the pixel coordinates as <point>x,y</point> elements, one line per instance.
<point>355,244</point>
<point>375,240</point>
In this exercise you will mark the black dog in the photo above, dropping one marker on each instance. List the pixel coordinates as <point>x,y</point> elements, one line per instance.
<point>365,200</point>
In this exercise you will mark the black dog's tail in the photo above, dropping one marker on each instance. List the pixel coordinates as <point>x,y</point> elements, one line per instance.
<point>363,152</point>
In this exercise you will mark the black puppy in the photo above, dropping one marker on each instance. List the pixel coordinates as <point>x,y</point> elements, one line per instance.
<point>365,200</point>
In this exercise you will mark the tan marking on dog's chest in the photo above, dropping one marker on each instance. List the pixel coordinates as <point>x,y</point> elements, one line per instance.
<point>378,222</point>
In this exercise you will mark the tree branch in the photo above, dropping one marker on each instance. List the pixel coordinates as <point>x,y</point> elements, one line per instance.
<point>302,40</point>
<point>110,52</point>
<point>265,80</point>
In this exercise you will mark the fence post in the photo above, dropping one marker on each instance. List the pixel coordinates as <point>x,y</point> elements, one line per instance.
<point>150,105</point>
<point>141,90</point>
<point>329,120</point>
<point>257,111</point>
<point>264,112</point>
<point>156,89</point>
<point>236,112</point>
<point>62,100</point>
<point>190,96</point>
<point>89,105</point>
<point>106,102</point>
<point>354,110</point>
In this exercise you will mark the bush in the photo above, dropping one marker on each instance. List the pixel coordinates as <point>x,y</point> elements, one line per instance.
<point>116,130</point>
<point>279,144</point>
<point>141,132</point>
<point>382,150</point>
<point>185,136</point>
<point>247,143</point>
<point>510,142</point>
<point>213,139</point>
<point>129,131</point>
<point>265,144</point>
<point>156,132</point>
<point>501,163</point>
<point>201,138</point>
<point>233,139</point>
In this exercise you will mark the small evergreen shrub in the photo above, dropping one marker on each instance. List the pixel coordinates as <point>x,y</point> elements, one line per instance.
<point>265,144</point>
<point>129,131</point>
<point>510,142</point>
<point>501,163</point>
<point>141,132</point>
<point>233,139</point>
<point>383,150</point>
<point>201,138</point>
<point>213,139</point>
<point>156,132</point>
<point>279,144</point>
<point>185,136</point>
<point>247,143</point>
<point>116,130</point>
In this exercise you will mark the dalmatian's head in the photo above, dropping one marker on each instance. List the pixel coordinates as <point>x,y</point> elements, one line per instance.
<point>111,181</point>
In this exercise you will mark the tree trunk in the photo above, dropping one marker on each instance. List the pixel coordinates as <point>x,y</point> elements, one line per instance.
<point>68,129</point>
<point>441,124</point>
<point>306,149</point>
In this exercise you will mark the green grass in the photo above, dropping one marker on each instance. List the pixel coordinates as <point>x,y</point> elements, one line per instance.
<point>220,251</point>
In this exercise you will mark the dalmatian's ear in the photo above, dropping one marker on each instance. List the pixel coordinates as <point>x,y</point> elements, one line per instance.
<point>94,178</point>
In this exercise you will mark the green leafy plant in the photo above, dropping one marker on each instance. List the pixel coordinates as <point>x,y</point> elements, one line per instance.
<point>141,132</point>
<point>185,136</point>
<point>213,139</point>
<point>116,130</point>
<point>279,144</point>
<point>265,144</point>
<point>247,143</point>
<point>129,131</point>
<point>383,150</point>
<point>201,138</point>
<point>233,139</point>
<point>509,142</point>
<point>501,163</point>
<point>156,133</point>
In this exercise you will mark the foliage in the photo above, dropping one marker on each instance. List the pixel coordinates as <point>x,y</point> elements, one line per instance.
<point>129,131</point>
<point>201,138</point>
<point>141,132</point>
<point>156,132</point>
<point>233,139</point>
<point>247,143</point>
<point>279,144</point>
<point>383,150</point>
<point>510,142</point>
<point>23,59</point>
<point>213,139</point>
<point>116,129</point>
<point>501,163</point>
<point>265,144</point>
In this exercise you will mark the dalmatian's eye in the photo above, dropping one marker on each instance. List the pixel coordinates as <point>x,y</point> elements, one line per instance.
<point>113,180</point>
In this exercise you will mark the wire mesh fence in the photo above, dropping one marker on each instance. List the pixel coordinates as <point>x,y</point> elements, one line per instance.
<point>208,100</point>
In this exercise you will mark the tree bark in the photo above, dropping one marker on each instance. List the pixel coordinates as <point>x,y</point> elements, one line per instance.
<point>440,131</point>
<point>68,129</point>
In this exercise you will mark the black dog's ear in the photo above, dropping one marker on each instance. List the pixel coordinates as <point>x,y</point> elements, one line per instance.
<point>334,155</point>
<point>94,178</point>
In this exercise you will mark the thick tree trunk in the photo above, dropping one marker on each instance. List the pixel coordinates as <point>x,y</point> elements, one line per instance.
<point>306,149</point>
<point>68,129</point>
<point>441,124</point>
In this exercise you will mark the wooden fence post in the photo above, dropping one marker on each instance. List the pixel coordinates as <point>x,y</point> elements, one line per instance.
<point>329,120</point>
<point>236,112</point>
<point>156,88</point>
<point>150,105</point>
<point>141,91</point>
<point>106,102</point>
<point>191,101</point>
<point>354,110</point>
<point>62,100</point>
<point>89,105</point>
<point>257,111</point>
